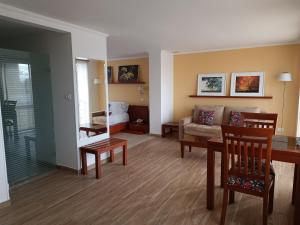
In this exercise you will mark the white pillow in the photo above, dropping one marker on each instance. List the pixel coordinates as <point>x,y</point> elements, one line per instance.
<point>118,107</point>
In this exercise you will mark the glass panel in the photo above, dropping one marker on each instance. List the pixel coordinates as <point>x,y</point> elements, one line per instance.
<point>91,89</point>
<point>27,116</point>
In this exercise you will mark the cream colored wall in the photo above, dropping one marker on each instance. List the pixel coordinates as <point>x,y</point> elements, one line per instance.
<point>271,60</point>
<point>97,98</point>
<point>102,87</point>
<point>129,92</point>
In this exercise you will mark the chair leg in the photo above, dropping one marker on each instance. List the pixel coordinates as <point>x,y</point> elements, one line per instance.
<point>231,197</point>
<point>265,209</point>
<point>271,198</point>
<point>224,207</point>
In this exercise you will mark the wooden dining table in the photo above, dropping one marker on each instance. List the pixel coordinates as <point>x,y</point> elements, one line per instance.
<point>284,149</point>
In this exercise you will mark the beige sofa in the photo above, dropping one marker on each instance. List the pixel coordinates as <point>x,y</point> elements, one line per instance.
<point>222,115</point>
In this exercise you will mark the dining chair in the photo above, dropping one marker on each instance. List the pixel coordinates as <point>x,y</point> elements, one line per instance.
<point>247,165</point>
<point>257,120</point>
<point>260,120</point>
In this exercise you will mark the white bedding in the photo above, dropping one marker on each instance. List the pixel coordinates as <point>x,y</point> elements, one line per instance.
<point>113,119</point>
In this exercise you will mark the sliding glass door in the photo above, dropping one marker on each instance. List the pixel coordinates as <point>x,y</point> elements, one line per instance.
<point>27,117</point>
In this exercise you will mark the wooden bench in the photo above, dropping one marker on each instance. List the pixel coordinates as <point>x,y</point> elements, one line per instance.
<point>107,145</point>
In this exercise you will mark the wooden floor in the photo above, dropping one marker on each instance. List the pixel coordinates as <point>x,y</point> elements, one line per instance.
<point>157,187</point>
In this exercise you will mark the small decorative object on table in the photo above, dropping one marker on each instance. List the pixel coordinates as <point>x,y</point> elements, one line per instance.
<point>247,84</point>
<point>213,84</point>
<point>128,74</point>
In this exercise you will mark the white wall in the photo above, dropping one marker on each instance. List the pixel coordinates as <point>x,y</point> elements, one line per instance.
<point>155,91</point>
<point>84,43</point>
<point>4,189</point>
<point>160,89</point>
<point>167,86</point>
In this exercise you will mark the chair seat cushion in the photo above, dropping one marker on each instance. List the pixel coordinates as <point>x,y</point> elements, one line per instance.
<point>247,183</point>
<point>203,130</point>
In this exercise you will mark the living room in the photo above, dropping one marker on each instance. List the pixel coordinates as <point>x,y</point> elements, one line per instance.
<point>226,82</point>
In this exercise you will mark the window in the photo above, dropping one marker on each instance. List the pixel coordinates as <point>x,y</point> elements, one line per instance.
<point>83,92</point>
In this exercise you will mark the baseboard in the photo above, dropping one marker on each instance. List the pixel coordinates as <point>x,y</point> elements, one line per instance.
<point>103,161</point>
<point>134,132</point>
<point>67,169</point>
<point>5,204</point>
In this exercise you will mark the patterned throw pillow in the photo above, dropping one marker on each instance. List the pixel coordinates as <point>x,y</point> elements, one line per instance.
<point>236,119</point>
<point>206,117</point>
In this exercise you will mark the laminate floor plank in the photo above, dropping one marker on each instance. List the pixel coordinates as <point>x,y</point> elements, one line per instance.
<point>157,187</point>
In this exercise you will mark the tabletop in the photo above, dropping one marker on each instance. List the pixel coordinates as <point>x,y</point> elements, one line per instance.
<point>284,148</point>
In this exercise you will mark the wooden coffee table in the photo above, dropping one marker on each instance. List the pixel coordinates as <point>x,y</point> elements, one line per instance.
<point>192,141</point>
<point>95,128</point>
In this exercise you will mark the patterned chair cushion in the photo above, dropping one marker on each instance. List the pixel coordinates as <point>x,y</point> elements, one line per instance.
<point>248,183</point>
<point>206,118</point>
<point>236,119</point>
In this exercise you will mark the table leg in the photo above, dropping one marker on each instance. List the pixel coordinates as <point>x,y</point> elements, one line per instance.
<point>294,184</point>
<point>125,154</point>
<point>210,179</point>
<point>190,148</point>
<point>98,165</point>
<point>297,199</point>
<point>112,155</point>
<point>182,150</point>
<point>163,132</point>
<point>84,170</point>
<point>222,171</point>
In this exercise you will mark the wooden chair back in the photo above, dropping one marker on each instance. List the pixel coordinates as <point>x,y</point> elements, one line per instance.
<point>247,151</point>
<point>260,120</point>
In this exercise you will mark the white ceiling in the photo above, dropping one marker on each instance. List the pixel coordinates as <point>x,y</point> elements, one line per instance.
<point>135,26</point>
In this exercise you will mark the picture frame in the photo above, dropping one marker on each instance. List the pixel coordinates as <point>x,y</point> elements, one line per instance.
<point>110,74</point>
<point>128,74</point>
<point>212,84</point>
<point>247,84</point>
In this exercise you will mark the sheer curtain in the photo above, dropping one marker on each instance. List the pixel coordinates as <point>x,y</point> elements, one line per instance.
<point>83,91</point>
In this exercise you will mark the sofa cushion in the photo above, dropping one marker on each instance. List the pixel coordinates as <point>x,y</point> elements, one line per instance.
<point>236,119</point>
<point>203,130</point>
<point>229,109</point>
<point>218,109</point>
<point>206,118</point>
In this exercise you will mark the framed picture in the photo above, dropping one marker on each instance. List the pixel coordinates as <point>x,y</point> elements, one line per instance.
<point>109,74</point>
<point>213,84</point>
<point>247,84</point>
<point>128,74</point>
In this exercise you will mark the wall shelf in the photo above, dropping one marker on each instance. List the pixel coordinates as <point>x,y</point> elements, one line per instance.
<point>252,97</point>
<point>127,83</point>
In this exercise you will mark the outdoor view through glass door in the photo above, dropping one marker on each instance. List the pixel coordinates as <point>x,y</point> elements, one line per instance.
<point>27,120</point>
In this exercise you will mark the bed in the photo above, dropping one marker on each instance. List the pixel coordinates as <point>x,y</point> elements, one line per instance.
<point>118,117</point>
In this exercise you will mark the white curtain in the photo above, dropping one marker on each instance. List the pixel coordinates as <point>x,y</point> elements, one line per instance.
<point>83,92</point>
